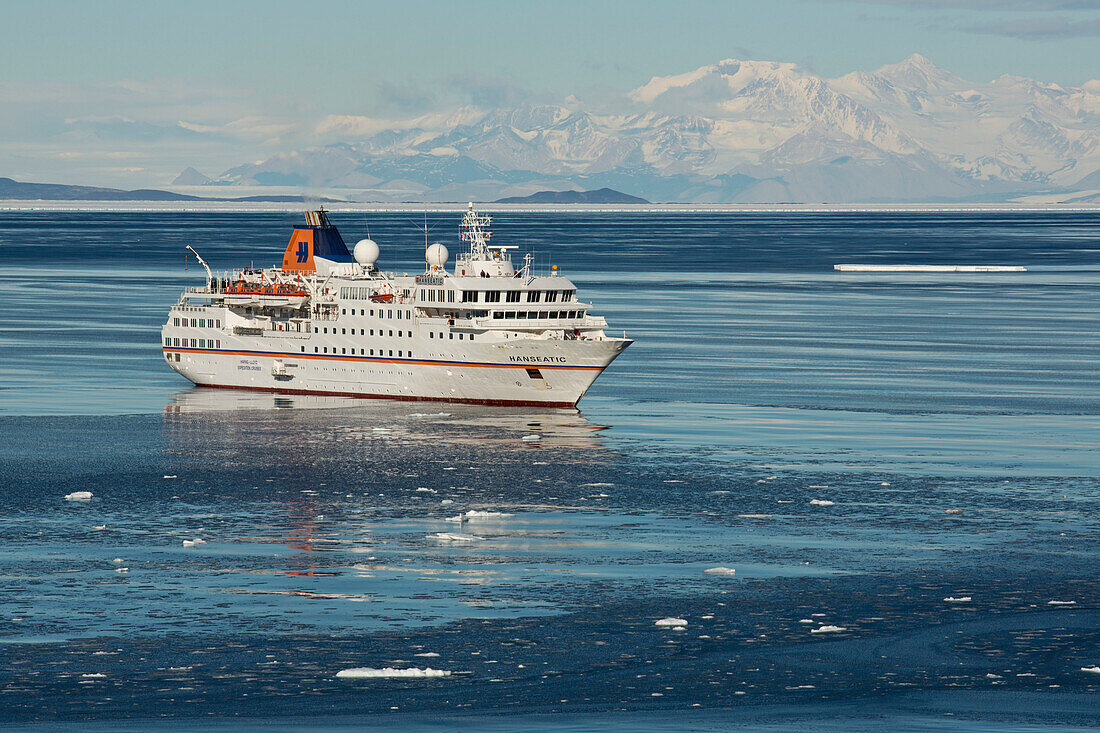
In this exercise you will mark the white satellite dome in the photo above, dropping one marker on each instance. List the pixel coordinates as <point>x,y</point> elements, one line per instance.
<point>437,255</point>
<point>366,252</point>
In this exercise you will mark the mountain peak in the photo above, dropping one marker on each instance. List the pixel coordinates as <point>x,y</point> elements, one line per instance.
<point>918,73</point>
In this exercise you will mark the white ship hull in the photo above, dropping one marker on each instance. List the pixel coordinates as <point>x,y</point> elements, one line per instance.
<point>493,374</point>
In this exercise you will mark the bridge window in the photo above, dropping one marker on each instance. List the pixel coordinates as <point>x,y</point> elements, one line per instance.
<point>450,296</point>
<point>551,296</point>
<point>533,296</point>
<point>492,296</point>
<point>469,296</point>
<point>513,296</point>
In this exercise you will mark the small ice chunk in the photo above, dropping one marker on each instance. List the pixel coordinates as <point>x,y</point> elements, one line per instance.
<point>425,489</point>
<point>531,438</point>
<point>991,676</point>
<point>827,629</point>
<point>456,537</point>
<point>960,599</point>
<point>1061,603</point>
<point>427,654</point>
<point>671,621</point>
<point>1091,670</point>
<point>720,570</point>
<point>122,570</point>
<point>79,496</point>
<point>446,502</point>
<point>455,518</point>
<point>818,486</point>
<point>952,511</point>
<point>822,502</point>
<point>806,621</point>
<point>194,542</point>
<point>885,483</point>
<point>170,475</point>
<point>93,676</point>
<point>755,516</point>
<point>117,561</point>
<point>761,481</point>
<point>99,526</point>
<point>390,672</point>
<point>474,515</point>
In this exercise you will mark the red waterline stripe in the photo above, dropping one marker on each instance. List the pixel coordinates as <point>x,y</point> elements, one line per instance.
<point>344,357</point>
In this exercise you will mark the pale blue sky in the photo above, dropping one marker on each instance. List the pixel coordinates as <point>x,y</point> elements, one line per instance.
<point>96,91</point>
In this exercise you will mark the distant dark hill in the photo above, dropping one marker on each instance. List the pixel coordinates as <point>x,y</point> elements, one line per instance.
<point>10,189</point>
<point>600,196</point>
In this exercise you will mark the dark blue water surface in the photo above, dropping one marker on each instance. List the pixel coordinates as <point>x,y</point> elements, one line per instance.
<point>859,448</point>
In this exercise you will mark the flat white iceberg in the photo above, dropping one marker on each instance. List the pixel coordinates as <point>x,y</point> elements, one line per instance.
<point>430,414</point>
<point>671,621</point>
<point>531,438</point>
<point>79,496</point>
<point>1092,670</point>
<point>960,599</point>
<point>755,516</point>
<point>720,571</point>
<point>170,475</point>
<point>827,629</point>
<point>427,654</point>
<point>822,502</point>
<point>1061,603</point>
<point>93,675</point>
<point>456,537</point>
<point>391,672</point>
<point>194,542</point>
<point>474,515</point>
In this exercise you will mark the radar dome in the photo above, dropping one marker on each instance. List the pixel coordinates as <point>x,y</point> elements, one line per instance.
<point>366,252</point>
<point>437,255</point>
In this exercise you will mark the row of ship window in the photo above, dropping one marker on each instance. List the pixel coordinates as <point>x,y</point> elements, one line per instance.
<point>197,322</point>
<point>363,332</point>
<point>382,313</point>
<point>543,315</point>
<point>362,352</point>
<point>511,296</point>
<point>193,343</point>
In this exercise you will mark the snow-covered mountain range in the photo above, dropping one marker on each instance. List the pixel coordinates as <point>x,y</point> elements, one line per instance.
<point>734,131</point>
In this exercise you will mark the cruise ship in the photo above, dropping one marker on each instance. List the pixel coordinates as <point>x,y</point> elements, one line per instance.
<point>328,321</point>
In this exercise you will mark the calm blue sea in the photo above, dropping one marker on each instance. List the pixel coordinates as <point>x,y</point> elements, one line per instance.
<point>902,470</point>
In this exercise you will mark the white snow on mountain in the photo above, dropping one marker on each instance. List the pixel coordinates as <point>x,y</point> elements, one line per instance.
<point>732,131</point>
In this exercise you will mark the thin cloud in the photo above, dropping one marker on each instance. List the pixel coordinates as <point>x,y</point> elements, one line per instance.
<point>1034,29</point>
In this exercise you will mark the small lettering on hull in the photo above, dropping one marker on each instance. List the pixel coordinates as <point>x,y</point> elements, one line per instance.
<point>537,359</point>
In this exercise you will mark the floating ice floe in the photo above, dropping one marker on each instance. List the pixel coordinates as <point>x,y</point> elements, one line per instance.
<point>828,629</point>
<point>390,672</point>
<point>93,676</point>
<point>456,537</point>
<point>1061,603</point>
<point>952,511</point>
<point>720,571</point>
<point>446,502</point>
<point>79,496</point>
<point>122,570</point>
<point>172,475</point>
<point>1091,670</point>
<point>118,561</point>
<point>885,483</point>
<point>755,516</point>
<point>425,490</point>
<point>598,483</point>
<point>430,414</point>
<point>475,515</point>
<point>194,542</point>
<point>531,438</point>
<point>427,654</point>
<point>99,527</point>
<point>822,502</point>
<point>806,621</point>
<point>818,486</point>
<point>960,599</point>
<point>672,621</point>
